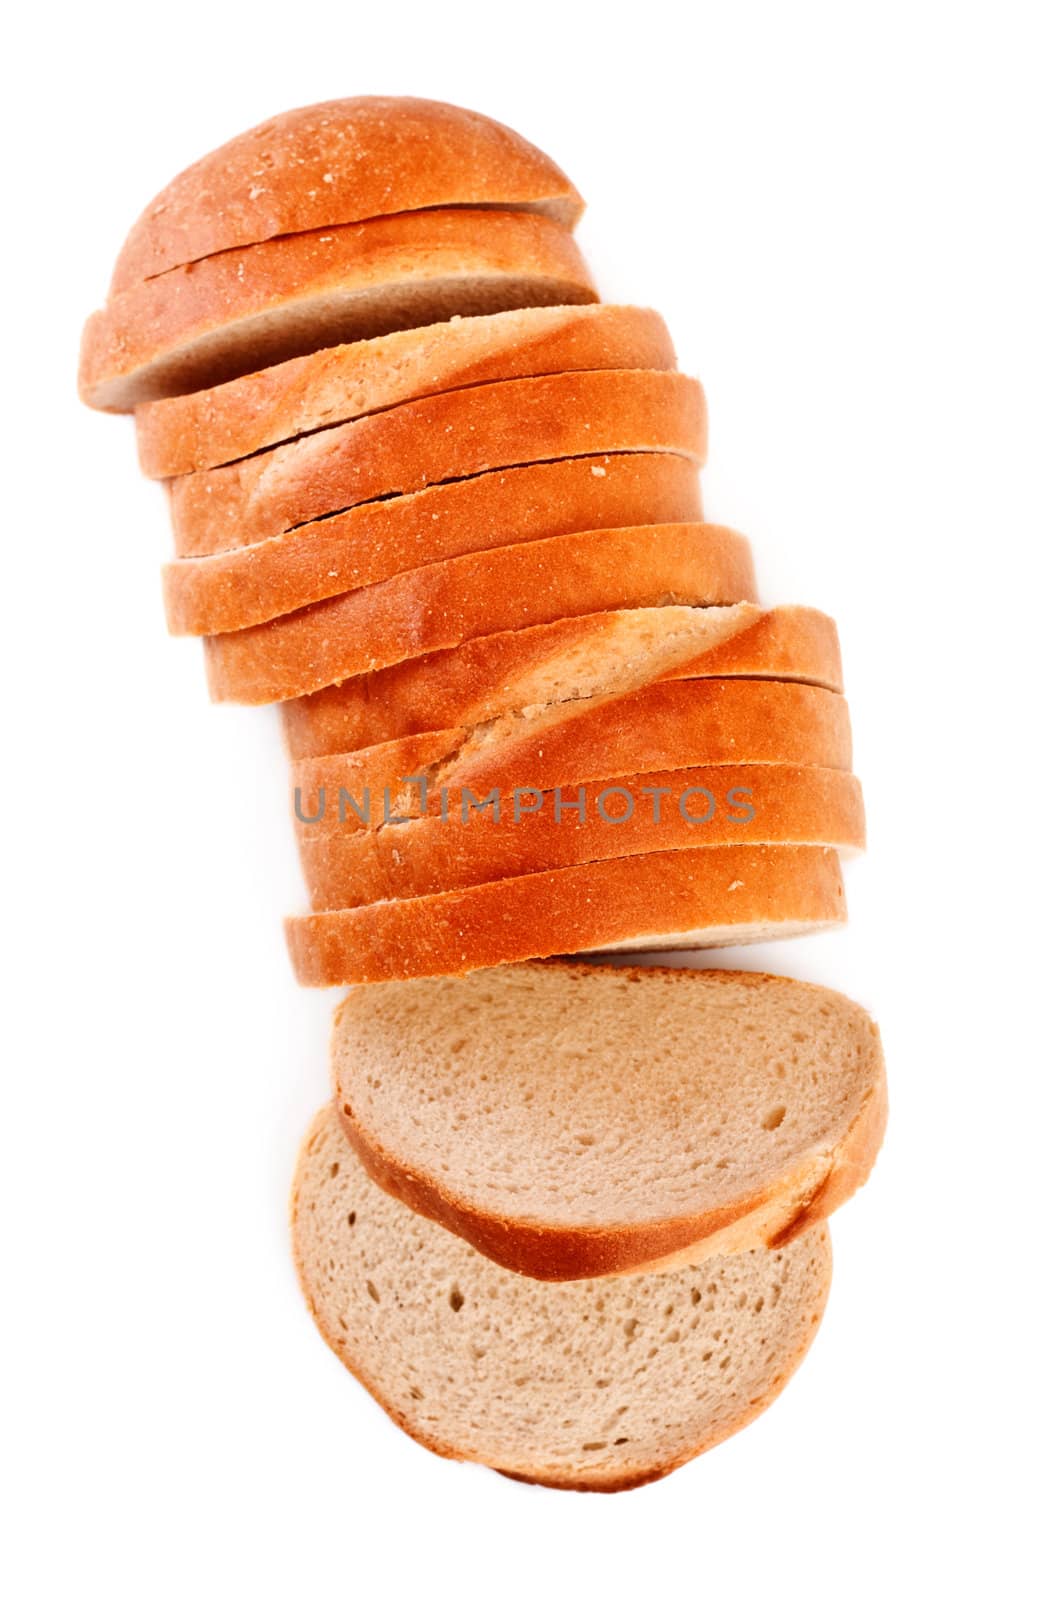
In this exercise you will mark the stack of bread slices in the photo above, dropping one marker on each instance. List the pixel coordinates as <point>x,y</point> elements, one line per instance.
<point>440,504</point>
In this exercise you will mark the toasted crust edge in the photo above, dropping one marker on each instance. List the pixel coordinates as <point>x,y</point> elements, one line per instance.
<point>192,206</point>
<point>331,948</point>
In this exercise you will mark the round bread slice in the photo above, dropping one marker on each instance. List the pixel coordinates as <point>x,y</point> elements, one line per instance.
<point>675,899</point>
<point>453,435</point>
<point>664,726</point>
<point>466,839</point>
<point>335,162</point>
<point>441,605</point>
<point>191,432</point>
<point>249,308</point>
<point>576,1121</point>
<point>373,542</point>
<point>599,1386</point>
<point>526,671</point>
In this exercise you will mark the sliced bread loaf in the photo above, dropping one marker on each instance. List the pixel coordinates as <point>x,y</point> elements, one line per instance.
<point>666,725</point>
<point>335,162</point>
<point>675,899</point>
<point>233,313</point>
<point>444,436</point>
<point>480,838</point>
<point>576,1121</point>
<point>191,432</point>
<point>372,542</point>
<point>596,1385</point>
<point>523,672</point>
<point>441,605</point>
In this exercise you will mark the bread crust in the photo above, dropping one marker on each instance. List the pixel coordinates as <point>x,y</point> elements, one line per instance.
<point>422,442</point>
<point>768,1217</point>
<point>491,676</point>
<point>370,543</point>
<point>664,725</point>
<point>791,805</point>
<point>731,894</point>
<point>441,605</point>
<point>849,1168</point>
<point>335,162</point>
<point>245,309</point>
<point>189,433</point>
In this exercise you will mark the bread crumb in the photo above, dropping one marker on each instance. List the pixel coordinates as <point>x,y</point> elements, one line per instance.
<point>738,883</point>
<point>599,472</point>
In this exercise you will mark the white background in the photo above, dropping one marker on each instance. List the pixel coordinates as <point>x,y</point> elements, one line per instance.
<point>836,209</point>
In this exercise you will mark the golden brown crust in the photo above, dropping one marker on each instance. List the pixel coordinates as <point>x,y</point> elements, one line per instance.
<point>439,606</point>
<point>730,892</point>
<point>373,542</point>
<point>850,1167</point>
<point>556,1254</point>
<point>237,312</point>
<point>789,805</point>
<point>423,442</point>
<point>667,724</point>
<point>730,719</point>
<point>474,681</point>
<point>189,433</point>
<point>335,162</point>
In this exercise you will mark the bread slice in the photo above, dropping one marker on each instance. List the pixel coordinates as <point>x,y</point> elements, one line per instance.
<point>506,834</point>
<point>523,672</point>
<point>191,432</point>
<point>441,605</point>
<point>576,1121</point>
<point>206,323</point>
<point>596,1385</point>
<point>340,161</point>
<point>454,435</point>
<point>675,899</point>
<point>661,727</point>
<point>382,538</point>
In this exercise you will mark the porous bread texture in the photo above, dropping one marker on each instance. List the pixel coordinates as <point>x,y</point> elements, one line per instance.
<point>572,1121</point>
<point>335,162</point>
<point>666,724</point>
<point>444,436</point>
<point>234,313</point>
<point>447,602</point>
<point>244,587</point>
<point>188,433</point>
<point>454,845</point>
<point>595,1385</point>
<point>734,894</point>
<point>610,652</point>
